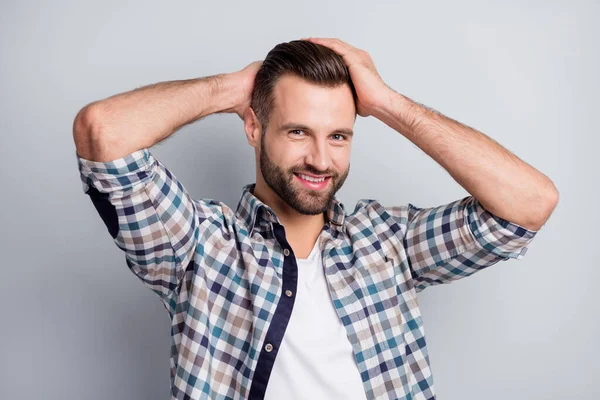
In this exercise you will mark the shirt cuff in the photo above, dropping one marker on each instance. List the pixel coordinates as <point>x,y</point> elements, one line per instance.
<point>497,235</point>
<point>116,176</point>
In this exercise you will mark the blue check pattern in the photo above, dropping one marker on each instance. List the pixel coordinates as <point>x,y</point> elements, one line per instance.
<point>228,279</point>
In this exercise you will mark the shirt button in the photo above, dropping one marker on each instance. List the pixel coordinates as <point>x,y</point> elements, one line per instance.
<point>288,293</point>
<point>268,347</point>
<point>286,252</point>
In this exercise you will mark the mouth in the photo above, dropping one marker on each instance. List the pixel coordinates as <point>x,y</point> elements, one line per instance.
<point>313,183</point>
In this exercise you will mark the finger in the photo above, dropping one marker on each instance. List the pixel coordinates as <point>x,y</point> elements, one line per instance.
<point>350,54</point>
<point>336,44</point>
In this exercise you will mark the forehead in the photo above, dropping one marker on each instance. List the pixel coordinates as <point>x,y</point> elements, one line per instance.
<point>297,100</point>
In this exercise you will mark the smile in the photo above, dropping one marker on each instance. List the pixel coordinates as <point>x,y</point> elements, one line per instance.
<point>313,183</point>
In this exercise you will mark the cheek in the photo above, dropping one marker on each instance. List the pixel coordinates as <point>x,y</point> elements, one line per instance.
<point>289,155</point>
<point>342,160</point>
<point>285,157</point>
<point>274,149</point>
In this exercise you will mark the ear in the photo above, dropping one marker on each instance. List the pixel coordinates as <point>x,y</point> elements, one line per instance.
<point>252,127</point>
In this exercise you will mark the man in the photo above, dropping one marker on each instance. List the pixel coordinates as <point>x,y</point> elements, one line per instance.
<point>289,297</point>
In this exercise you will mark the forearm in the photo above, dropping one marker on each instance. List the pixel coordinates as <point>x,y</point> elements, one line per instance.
<point>114,127</point>
<point>504,184</point>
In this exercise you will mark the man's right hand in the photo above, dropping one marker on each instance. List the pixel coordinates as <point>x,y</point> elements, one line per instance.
<point>244,81</point>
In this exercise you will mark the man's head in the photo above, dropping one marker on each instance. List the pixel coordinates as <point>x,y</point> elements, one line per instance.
<point>300,123</point>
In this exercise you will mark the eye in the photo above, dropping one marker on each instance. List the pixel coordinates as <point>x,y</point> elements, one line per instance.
<point>342,137</point>
<point>296,130</point>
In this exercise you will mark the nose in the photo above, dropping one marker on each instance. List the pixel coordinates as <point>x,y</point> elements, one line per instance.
<point>319,157</point>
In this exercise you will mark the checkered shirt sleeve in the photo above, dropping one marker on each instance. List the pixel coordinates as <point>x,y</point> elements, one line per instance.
<point>149,214</point>
<point>455,240</point>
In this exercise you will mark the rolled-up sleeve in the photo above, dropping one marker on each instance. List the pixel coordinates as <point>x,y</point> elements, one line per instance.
<point>455,240</point>
<point>149,215</point>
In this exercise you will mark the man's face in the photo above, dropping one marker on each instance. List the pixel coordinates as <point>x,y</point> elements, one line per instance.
<point>309,133</point>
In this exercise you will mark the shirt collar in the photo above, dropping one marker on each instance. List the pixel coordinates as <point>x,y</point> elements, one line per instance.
<point>253,211</point>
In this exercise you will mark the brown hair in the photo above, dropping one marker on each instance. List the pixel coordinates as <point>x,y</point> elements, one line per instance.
<point>313,62</point>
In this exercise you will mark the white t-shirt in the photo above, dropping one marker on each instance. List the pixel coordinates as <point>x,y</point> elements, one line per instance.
<point>315,359</point>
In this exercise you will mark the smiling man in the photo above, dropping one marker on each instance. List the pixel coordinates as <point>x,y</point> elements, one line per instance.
<point>301,165</point>
<point>290,296</point>
<point>323,174</point>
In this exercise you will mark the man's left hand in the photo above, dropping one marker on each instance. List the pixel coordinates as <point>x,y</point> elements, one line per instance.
<point>371,90</point>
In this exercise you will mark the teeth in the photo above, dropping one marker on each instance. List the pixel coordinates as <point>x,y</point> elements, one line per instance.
<point>308,178</point>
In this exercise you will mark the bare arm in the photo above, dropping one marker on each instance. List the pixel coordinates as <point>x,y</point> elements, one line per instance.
<point>503,183</point>
<point>114,127</point>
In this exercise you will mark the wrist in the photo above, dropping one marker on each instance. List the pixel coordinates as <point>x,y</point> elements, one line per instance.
<point>388,105</point>
<point>398,112</point>
<point>223,93</point>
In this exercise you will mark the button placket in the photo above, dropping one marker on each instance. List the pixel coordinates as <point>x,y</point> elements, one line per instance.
<point>281,316</point>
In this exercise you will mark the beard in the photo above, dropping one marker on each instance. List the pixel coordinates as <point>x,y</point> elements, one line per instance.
<point>285,184</point>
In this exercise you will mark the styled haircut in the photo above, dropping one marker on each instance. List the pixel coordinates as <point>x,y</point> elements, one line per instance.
<point>310,61</point>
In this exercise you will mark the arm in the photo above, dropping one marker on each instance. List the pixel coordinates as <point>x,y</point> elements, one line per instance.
<point>509,200</point>
<point>147,211</point>
<point>111,128</point>
<point>501,182</point>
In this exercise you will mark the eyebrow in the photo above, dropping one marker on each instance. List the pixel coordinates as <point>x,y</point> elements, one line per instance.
<point>293,125</point>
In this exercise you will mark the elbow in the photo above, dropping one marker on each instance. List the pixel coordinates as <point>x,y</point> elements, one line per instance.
<point>87,120</point>
<point>546,208</point>
<point>552,201</point>
<point>87,129</point>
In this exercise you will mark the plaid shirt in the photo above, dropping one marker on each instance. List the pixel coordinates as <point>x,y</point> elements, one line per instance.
<point>228,279</point>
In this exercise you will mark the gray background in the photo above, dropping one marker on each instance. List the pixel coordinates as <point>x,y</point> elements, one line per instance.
<point>77,324</point>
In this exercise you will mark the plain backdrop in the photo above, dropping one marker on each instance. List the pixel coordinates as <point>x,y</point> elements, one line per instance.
<point>77,324</point>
